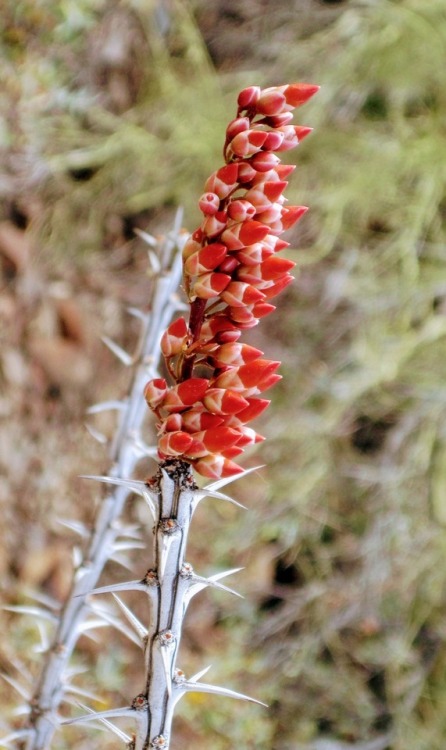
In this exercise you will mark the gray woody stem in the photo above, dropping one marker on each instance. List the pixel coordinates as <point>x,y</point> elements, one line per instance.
<point>126,450</point>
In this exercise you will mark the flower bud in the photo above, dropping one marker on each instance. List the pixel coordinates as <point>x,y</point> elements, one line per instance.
<point>175,338</point>
<point>248,97</point>
<point>155,392</point>
<point>209,203</point>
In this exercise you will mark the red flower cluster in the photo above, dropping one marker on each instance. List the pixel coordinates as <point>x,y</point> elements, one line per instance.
<point>231,272</point>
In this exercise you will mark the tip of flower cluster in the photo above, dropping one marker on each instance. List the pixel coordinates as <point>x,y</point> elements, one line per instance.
<point>232,271</point>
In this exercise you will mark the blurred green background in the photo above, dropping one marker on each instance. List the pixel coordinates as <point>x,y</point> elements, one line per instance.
<point>111,115</point>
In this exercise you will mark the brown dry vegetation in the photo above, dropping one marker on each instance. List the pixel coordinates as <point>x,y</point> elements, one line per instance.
<point>111,115</point>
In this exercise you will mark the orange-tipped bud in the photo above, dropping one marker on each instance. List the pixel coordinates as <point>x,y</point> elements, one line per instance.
<point>223,401</point>
<point>209,285</point>
<point>240,294</point>
<point>218,439</point>
<point>271,102</point>
<point>248,436</point>
<point>256,406</point>
<point>214,225</point>
<point>249,97</point>
<point>216,466</point>
<point>209,203</point>
<point>235,355</point>
<point>264,161</point>
<point>206,259</point>
<point>240,210</point>
<point>195,421</point>
<point>155,392</point>
<point>223,181</point>
<point>174,339</point>
<point>274,267</point>
<point>175,443</point>
<point>272,291</point>
<point>244,233</point>
<point>185,394</point>
<point>297,94</point>
<point>237,126</point>
<point>248,143</point>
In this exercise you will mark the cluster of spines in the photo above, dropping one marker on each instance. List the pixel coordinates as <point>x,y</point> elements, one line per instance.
<point>231,272</point>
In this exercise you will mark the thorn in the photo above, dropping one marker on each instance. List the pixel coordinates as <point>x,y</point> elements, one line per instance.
<point>20,734</point>
<point>199,675</point>
<point>126,586</point>
<point>34,611</point>
<point>44,645</point>
<point>227,480</point>
<point>110,714</point>
<point>99,436</point>
<point>122,735</point>
<point>142,450</point>
<point>154,262</point>
<point>224,573</point>
<point>85,693</point>
<point>137,313</point>
<point>140,488</point>
<point>77,558</point>
<point>201,494</point>
<point>202,687</point>
<point>76,526</point>
<point>120,353</point>
<point>106,406</point>
<point>121,627</point>
<point>166,543</point>
<point>123,561</point>
<point>198,583</point>
<point>148,238</point>
<point>17,686</point>
<point>140,629</point>
<point>123,545</point>
<point>23,710</point>
<point>167,667</point>
<point>48,601</point>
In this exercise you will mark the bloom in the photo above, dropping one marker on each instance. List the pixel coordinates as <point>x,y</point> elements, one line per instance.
<point>231,272</point>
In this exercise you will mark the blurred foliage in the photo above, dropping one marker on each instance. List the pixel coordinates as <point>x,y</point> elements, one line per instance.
<point>343,631</point>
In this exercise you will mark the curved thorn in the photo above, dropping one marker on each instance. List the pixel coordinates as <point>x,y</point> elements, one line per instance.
<point>106,406</point>
<point>125,586</point>
<point>16,685</point>
<point>154,262</point>
<point>84,693</point>
<point>34,611</point>
<point>134,485</point>
<point>76,526</point>
<point>199,675</point>
<point>140,629</point>
<point>96,434</point>
<point>120,353</point>
<point>149,239</point>
<point>202,687</point>
<point>123,561</point>
<point>110,714</point>
<point>20,734</point>
<point>118,732</point>
<point>166,543</point>
<point>167,669</point>
<point>124,545</point>
<point>201,494</point>
<point>77,558</point>
<point>137,313</point>
<point>227,480</point>
<point>224,573</point>
<point>200,582</point>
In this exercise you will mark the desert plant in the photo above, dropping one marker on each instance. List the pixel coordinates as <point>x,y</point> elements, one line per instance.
<point>231,271</point>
